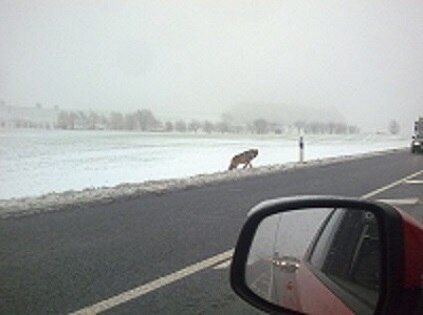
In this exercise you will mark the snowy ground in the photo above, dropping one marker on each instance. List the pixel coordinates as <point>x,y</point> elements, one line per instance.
<point>46,169</point>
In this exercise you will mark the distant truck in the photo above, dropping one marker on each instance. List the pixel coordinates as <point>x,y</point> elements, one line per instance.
<point>417,142</point>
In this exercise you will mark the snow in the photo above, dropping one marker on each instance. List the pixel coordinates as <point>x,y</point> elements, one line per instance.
<point>48,170</point>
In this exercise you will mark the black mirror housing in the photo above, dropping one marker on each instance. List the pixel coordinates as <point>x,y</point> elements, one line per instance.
<point>391,240</point>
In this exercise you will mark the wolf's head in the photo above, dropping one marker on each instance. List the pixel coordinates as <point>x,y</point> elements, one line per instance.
<point>253,152</point>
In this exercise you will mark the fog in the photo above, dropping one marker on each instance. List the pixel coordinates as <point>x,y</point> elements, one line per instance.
<point>356,61</point>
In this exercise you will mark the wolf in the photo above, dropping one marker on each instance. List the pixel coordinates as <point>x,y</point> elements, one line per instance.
<point>243,158</point>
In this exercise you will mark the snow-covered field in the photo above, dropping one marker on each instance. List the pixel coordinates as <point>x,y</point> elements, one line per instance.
<point>39,162</point>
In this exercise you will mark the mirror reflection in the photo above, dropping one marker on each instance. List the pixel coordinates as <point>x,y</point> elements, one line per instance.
<point>334,251</point>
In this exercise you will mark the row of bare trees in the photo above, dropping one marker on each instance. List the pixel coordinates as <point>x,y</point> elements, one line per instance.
<point>144,120</point>
<point>316,127</point>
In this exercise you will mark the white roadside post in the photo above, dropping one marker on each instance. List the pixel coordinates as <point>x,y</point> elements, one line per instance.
<point>301,144</point>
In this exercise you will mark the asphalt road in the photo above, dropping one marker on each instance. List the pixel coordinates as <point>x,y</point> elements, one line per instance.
<point>62,261</point>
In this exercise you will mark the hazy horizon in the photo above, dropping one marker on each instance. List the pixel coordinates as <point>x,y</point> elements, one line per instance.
<point>361,60</point>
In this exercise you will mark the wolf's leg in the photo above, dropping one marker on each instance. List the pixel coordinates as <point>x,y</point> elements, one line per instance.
<point>247,164</point>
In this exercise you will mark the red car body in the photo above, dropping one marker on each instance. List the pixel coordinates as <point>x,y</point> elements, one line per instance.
<point>311,296</point>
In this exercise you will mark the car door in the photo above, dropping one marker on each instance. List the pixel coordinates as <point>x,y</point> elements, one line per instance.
<point>341,272</point>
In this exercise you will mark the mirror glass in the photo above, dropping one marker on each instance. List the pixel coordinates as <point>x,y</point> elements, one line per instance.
<point>308,258</point>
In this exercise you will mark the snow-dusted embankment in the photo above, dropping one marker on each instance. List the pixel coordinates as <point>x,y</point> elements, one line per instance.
<point>56,201</point>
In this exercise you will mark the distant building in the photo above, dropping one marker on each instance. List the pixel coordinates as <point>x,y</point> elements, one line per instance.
<point>27,117</point>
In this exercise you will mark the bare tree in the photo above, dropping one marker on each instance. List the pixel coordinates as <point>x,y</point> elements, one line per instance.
<point>222,127</point>
<point>131,122</point>
<point>169,126</point>
<point>180,126</point>
<point>208,127</point>
<point>146,119</point>
<point>72,119</point>
<point>299,124</point>
<point>116,121</point>
<point>353,130</point>
<point>394,127</point>
<point>62,120</point>
<point>93,119</point>
<point>261,126</point>
<point>194,125</point>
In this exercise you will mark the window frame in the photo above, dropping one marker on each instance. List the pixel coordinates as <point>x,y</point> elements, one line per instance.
<point>346,295</point>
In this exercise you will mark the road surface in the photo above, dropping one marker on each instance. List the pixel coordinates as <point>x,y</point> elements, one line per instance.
<point>167,246</point>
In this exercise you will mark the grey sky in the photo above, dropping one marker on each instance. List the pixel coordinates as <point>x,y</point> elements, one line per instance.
<point>363,59</point>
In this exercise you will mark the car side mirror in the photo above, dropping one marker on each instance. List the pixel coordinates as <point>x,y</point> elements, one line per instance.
<point>320,255</point>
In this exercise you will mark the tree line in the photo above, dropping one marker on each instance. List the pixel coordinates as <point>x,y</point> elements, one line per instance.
<point>144,120</point>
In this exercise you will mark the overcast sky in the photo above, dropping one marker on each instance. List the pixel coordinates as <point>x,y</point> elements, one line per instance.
<point>363,59</point>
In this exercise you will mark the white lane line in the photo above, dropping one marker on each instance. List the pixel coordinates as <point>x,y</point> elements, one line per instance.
<point>153,285</point>
<point>404,201</point>
<point>400,181</point>
<point>165,280</point>
<point>414,181</point>
<point>223,265</point>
